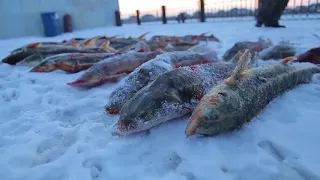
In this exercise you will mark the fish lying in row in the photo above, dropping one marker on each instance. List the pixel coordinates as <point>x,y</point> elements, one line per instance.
<point>172,95</point>
<point>45,50</point>
<point>253,47</point>
<point>113,68</point>
<point>70,62</point>
<point>244,95</point>
<point>312,56</point>
<point>186,38</point>
<point>279,51</point>
<point>149,71</point>
<point>126,44</point>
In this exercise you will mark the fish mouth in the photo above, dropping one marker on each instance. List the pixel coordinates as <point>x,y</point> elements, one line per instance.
<point>78,83</point>
<point>122,128</point>
<point>109,109</point>
<point>96,81</point>
<point>193,123</point>
<point>191,128</point>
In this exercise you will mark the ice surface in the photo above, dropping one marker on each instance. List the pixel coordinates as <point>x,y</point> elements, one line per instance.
<point>50,131</point>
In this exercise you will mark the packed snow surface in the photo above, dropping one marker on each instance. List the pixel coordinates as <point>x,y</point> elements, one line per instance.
<point>51,131</point>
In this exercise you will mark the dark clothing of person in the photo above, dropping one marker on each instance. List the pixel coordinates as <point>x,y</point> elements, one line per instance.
<point>269,12</point>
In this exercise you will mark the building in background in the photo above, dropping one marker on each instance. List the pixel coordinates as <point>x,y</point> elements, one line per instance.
<point>21,18</point>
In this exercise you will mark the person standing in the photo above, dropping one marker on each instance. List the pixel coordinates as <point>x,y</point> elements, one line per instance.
<point>269,12</point>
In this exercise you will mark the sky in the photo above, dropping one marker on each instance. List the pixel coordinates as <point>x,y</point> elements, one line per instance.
<point>129,7</point>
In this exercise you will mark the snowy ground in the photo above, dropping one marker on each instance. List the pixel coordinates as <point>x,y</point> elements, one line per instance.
<point>50,131</point>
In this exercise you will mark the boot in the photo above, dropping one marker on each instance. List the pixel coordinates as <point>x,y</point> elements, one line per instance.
<point>274,24</point>
<point>259,23</point>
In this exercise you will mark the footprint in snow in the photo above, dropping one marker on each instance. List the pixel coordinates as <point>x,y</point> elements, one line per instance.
<point>95,166</point>
<point>52,149</point>
<point>287,158</point>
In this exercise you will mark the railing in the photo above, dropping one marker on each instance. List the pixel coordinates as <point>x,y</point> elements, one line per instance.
<point>222,10</point>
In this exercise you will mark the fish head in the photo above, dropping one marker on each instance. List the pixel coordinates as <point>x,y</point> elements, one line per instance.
<point>212,114</point>
<point>88,79</point>
<point>152,105</point>
<point>230,53</point>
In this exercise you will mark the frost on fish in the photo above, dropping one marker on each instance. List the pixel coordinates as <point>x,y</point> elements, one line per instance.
<point>111,69</point>
<point>171,95</point>
<point>142,46</point>
<point>33,59</point>
<point>149,71</point>
<point>279,51</point>
<point>245,94</point>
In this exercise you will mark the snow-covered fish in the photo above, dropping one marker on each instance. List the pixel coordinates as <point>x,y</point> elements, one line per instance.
<point>70,62</point>
<point>244,95</point>
<point>279,51</point>
<point>149,71</point>
<point>171,95</point>
<point>113,68</point>
<point>243,45</point>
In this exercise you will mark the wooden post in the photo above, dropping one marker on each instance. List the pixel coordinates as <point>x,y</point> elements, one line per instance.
<point>118,18</point>
<point>138,17</point>
<point>202,13</point>
<point>164,17</point>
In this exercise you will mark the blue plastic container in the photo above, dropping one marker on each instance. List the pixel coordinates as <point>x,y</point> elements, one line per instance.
<point>51,24</point>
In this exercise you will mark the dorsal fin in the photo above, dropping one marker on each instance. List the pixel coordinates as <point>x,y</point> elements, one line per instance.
<point>289,60</point>
<point>74,43</point>
<point>203,34</point>
<point>106,46</point>
<point>113,37</point>
<point>34,45</point>
<point>241,66</point>
<point>90,42</point>
<point>142,37</point>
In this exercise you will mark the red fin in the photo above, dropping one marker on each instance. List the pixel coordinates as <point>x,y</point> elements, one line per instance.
<point>76,83</point>
<point>34,45</point>
<point>74,44</point>
<point>90,42</point>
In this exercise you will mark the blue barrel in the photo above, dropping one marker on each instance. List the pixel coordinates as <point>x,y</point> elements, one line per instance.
<point>51,24</point>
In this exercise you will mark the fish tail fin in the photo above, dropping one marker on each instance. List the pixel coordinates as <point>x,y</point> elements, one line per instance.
<point>289,60</point>
<point>142,37</point>
<point>241,66</point>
